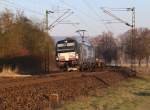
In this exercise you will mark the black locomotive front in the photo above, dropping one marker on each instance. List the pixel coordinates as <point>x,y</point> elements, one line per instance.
<point>67,53</point>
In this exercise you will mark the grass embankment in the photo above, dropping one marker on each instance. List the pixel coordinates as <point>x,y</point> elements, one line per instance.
<point>132,94</point>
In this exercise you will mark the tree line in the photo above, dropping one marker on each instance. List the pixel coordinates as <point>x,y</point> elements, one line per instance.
<point>119,49</point>
<point>141,45</point>
<point>21,37</point>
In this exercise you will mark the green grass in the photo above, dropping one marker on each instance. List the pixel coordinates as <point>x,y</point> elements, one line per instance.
<point>132,94</point>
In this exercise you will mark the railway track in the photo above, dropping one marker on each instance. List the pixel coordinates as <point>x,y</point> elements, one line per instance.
<point>6,82</point>
<point>31,92</point>
<point>21,81</point>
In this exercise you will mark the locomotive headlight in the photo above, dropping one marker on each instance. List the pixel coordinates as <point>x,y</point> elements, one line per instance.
<point>77,56</point>
<point>57,58</point>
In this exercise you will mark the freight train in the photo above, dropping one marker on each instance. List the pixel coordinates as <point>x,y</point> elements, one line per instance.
<point>74,55</point>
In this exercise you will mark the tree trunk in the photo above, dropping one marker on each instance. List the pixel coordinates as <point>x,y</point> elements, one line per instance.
<point>139,62</point>
<point>147,61</point>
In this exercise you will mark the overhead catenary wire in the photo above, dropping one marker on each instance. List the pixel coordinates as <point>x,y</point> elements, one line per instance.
<point>82,13</point>
<point>18,6</point>
<point>95,11</point>
<point>90,7</point>
<point>69,5</point>
<point>107,26</point>
<point>108,10</point>
<point>114,16</point>
<point>98,14</point>
<point>131,3</point>
<point>61,18</point>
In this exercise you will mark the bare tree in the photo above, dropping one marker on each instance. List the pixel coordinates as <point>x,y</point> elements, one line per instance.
<point>141,44</point>
<point>106,47</point>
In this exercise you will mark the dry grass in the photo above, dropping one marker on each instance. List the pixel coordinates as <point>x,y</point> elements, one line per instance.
<point>133,94</point>
<point>8,72</point>
<point>143,69</point>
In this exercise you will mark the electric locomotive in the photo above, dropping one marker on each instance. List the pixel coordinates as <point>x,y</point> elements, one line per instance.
<point>74,55</point>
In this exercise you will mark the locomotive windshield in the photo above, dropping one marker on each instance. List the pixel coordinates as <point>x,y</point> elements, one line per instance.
<point>66,46</point>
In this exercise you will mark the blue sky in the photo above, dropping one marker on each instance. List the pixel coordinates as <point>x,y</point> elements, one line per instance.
<point>86,12</point>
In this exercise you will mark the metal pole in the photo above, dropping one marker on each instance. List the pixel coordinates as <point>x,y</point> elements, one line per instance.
<point>82,36</point>
<point>133,40</point>
<point>47,21</point>
<point>46,44</point>
<point>47,58</point>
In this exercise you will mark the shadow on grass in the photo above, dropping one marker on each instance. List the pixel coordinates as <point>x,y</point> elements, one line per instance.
<point>140,78</point>
<point>25,65</point>
<point>143,93</point>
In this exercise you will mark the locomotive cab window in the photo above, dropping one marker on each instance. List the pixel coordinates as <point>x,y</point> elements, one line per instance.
<point>66,47</point>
